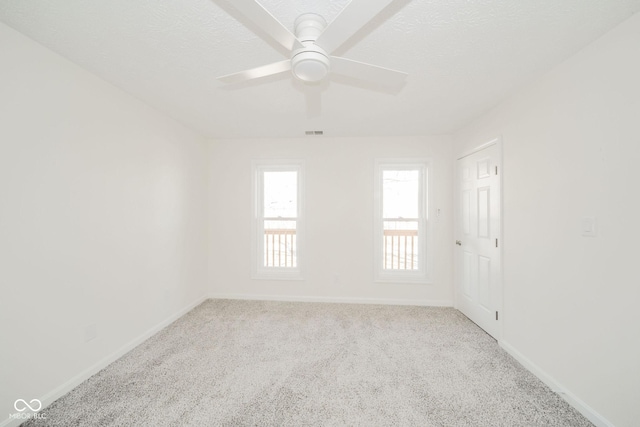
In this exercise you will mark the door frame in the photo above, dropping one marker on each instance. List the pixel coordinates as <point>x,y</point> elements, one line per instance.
<point>457,263</point>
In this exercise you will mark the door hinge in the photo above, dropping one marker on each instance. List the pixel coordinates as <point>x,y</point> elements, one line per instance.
<point>496,315</point>
<point>496,170</point>
<point>496,243</point>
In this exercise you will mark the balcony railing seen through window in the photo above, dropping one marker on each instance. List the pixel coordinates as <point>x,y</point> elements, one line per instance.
<point>400,244</point>
<point>280,242</point>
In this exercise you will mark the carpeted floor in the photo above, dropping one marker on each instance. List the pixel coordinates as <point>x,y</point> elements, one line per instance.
<point>251,363</point>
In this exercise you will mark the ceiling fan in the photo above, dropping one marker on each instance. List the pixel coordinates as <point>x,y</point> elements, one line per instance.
<point>313,42</point>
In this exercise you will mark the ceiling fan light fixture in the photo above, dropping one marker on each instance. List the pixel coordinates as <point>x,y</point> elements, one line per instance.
<point>310,64</point>
<point>311,43</point>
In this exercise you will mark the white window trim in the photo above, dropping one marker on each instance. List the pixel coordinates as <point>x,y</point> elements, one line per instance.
<point>425,233</point>
<point>259,271</point>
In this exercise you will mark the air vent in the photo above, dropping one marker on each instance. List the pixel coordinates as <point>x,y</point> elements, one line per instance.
<point>314,132</point>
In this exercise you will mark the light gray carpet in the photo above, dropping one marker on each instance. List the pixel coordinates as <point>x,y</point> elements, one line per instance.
<point>250,363</point>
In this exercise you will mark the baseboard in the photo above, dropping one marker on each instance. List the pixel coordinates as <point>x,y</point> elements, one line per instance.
<point>65,388</point>
<point>588,412</point>
<point>341,300</point>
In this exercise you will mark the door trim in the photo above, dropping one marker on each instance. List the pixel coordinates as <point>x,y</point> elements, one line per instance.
<point>497,141</point>
<point>457,276</point>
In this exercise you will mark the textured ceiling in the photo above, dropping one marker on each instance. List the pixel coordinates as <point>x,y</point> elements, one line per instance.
<point>462,56</point>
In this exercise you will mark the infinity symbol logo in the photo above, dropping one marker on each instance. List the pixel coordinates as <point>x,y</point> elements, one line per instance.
<point>26,405</point>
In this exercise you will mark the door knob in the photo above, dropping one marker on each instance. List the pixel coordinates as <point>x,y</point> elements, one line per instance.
<point>458,242</point>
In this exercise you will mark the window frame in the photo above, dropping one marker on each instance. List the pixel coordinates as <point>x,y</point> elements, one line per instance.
<point>423,274</point>
<point>259,271</point>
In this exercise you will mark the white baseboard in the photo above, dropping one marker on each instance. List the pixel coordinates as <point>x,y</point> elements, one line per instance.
<point>65,388</point>
<point>588,412</point>
<point>342,300</point>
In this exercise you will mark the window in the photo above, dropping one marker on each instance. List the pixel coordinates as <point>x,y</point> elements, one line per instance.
<point>401,221</point>
<point>277,230</point>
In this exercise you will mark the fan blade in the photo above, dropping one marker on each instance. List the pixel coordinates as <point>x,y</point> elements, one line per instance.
<point>267,22</point>
<point>254,73</point>
<point>353,17</point>
<point>368,72</point>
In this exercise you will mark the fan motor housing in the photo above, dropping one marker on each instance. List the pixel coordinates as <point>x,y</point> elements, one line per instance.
<point>308,27</point>
<point>310,63</point>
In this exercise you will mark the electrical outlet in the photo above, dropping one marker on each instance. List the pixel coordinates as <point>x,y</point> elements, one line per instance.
<point>589,227</point>
<point>90,332</point>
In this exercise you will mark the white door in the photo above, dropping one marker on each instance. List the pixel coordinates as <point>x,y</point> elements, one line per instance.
<point>478,271</point>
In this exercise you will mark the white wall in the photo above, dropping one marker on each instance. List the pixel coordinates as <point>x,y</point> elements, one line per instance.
<point>102,219</point>
<point>572,149</point>
<point>339,175</point>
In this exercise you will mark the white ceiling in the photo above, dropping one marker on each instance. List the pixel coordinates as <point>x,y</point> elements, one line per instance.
<point>462,56</point>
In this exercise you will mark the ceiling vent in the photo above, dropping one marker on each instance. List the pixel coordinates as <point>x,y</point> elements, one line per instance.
<point>314,132</point>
